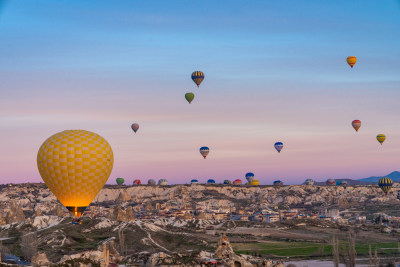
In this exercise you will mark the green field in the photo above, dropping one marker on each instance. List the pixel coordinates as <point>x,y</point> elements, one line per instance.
<point>302,249</point>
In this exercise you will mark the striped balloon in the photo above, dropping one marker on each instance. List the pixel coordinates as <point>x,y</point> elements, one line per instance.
<point>385,184</point>
<point>204,151</point>
<point>351,61</point>
<point>356,124</point>
<point>237,182</point>
<point>197,77</point>
<point>381,138</point>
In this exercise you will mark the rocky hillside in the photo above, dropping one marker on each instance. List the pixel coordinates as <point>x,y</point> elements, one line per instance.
<point>292,195</point>
<point>34,195</point>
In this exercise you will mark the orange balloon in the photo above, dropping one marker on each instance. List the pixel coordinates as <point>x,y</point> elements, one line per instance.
<point>351,61</point>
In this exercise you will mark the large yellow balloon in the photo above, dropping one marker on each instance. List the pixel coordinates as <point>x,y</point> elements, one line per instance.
<point>75,165</point>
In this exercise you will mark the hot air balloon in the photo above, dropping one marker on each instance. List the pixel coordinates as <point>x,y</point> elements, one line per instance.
<point>385,184</point>
<point>278,183</point>
<point>120,180</point>
<point>197,77</point>
<point>351,61</point>
<point>163,182</point>
<point>151,182</point>
<point>135,127</point>
<point>344,183</point>
<point>254,182</point>
<point>309,182</point>
<point>227,182</point>
<point>211,181</point>
<point>330,182</point>
<point>137,182</point>
<point>189,97</point>
<point>237,182</point>
<point>194,181</point>
<point>381,138</point>
<point>356,124</point>
<point>249,176</point>
<point>339,182</point>
<point>278,146</point>
<point>204,151</point>
<point>75,165</point>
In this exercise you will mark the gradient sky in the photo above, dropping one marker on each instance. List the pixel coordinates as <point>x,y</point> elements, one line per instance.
<point>275,71</point>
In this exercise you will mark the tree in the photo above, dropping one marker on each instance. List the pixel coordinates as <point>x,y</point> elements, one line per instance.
<point>335,251</point>
<point>29,245</point>
<point>121,237</point>
<point>352,250</point>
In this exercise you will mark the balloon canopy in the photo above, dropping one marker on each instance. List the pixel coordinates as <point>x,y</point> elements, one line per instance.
<point>75,165</point>
<point>189,97</point>
<point>197,77</point>
<point>135,127</point>
<point>351,60</point>
<point>254,182</point>
<point>278,146</point>
<point>249,176</point>
<point>385,184</point>
<point>120,181</point>
<point>330,182</point>
<point>309,182</point>
<point>237,182</point>
<point>162,182</point>
<point>356,124</point>
<point>381,138</point>
<point>204,151</point>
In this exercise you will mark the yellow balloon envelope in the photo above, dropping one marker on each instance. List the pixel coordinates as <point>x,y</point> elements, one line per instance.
<point>351,61</point>
<point>381,138</point>
<point>75,165</point>
<point>254,182</point>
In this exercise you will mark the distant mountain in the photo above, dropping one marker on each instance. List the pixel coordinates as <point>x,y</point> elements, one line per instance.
<point>395,176</point>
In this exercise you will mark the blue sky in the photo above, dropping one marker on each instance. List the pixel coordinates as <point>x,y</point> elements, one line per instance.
<point>275,71</point>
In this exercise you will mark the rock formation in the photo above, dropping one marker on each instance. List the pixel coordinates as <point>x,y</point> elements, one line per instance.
<point>38,212</point>
<point>123,197</point>
<point>40,259</point>
<point>123,216</point>
<point>15,214</point>
<point>225,252</point>
<point>58,211</point>
<point>119,214</point>
<point>148,206</point>
<point>224,248</point>
<point>2,219</point>
<point>129,214</point>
